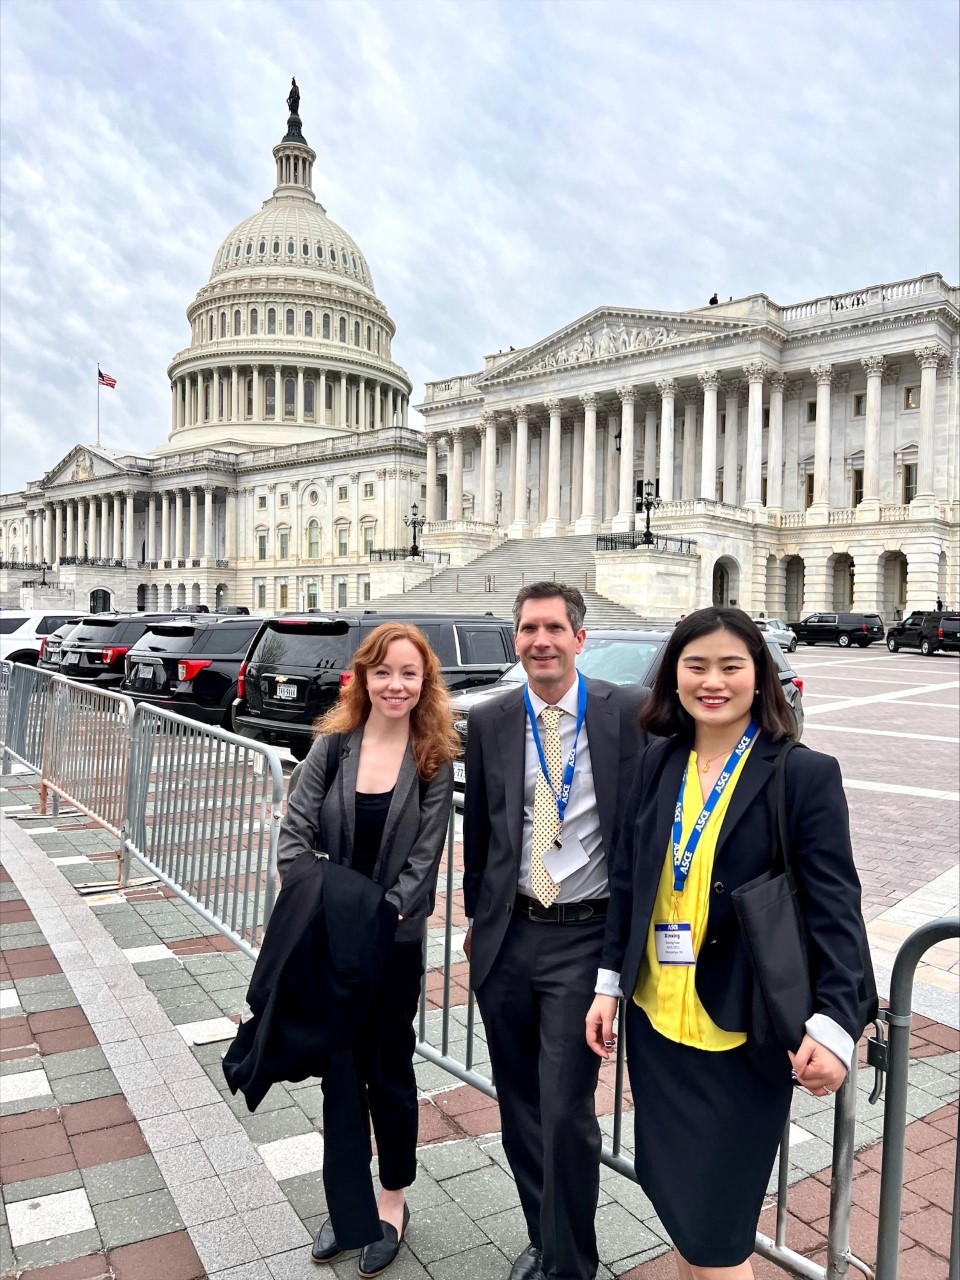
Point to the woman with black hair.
(710, 1103)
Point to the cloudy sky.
(505, 165)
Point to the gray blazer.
(413, 835)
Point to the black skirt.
(707, 1130)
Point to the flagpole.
(98, 406)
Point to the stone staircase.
(490, 583)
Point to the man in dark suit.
(549, 768)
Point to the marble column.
(173, 406)
(194, 522)
(731, 401)
(508, 445)
(518, 524)
(105, 527)
(775, 444)
(404, 403)
(207, 521)
(551, 526)
(178, 551)
(755, 371)
(362, 416)
(709, 380)
(298, 408)
(343, 418)
(377, 406)
(57, 533)
(455, 478)
(165, 526)
(230, 530)
(821, 441)
(668, 394)
(322, 398)
(623, 520)
(151, 528)
(576, 470)
(874, 367)
(47, 545)
(611, 476)
(71, 551)
(117, 526)
(81, 528)
(431, 508)
(688, 455)
(489, 477)
(929, 357)
(648, 403)
(128, 547)
(588, 522)
(234, 414)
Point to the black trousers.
(379, 1075)
(534, 1003)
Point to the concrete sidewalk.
(123, 1154)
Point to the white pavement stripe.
(940, 706)
(883, 733)
(851, 678)
(879, 697)
(24, 1085)
(927, 792)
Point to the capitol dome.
(289, 341)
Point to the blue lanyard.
(682, 859)
(567, 780)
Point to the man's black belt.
(561, 912)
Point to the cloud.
(505, 168)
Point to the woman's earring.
(756, 693)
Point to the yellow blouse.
(667, 993)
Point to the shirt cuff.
(608, 984)
(822, 1028)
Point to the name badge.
(563, 859)
(674, 943)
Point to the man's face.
(548, 646)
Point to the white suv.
(22, 630)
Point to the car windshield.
(611, 658)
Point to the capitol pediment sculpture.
(82, 468)
(603, 341)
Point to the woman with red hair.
(383, 812)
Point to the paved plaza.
(122, 1153)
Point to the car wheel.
(792, 647)
(926, 648)
(892, 645)
(843, 640)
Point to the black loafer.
(529, 1266)
(380, 1254)
(325, 1246)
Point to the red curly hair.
(432, 736)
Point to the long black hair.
(662, 712)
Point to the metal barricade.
(203, 815)
(22, 713)
(899, 1018)
(86, 751)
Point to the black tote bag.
(771, 923)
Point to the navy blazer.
(821, 860)
(493, 803)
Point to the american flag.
(104, 379)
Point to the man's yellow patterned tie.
(546, 823)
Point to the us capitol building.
(805, 456)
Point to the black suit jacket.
(493, 802)
(821, 859)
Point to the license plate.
(288, 692)
(459, 771)
(144, 671)
(73, 657)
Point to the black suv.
(621, 656)
(190, 666)
(928, 632)
(49, 656)
(95, 650)
(298, 663)
(843, 629)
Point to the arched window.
(296, 168)
(206, 400)
(249, 248)
(369, 338)
(291, 247)
(343, 329)
(223, 324)
(305, 249)
(254, 320)
(319, 250)
(333, 254)
(276, 246)
(272, 320)
(289, 397)
(270, 391)
(236, 323)
(249, 413)
(313, 540)
(328, 397)
(378, 342)
(262, 247)
(354, 261)
(289, 318)
(236, 252)
(220, 399)
(356, 333)
(309, 401)
(308, 324)
(326, 325)
(210, 326)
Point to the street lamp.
(415, 522)
(647, 500)
(43, 572)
